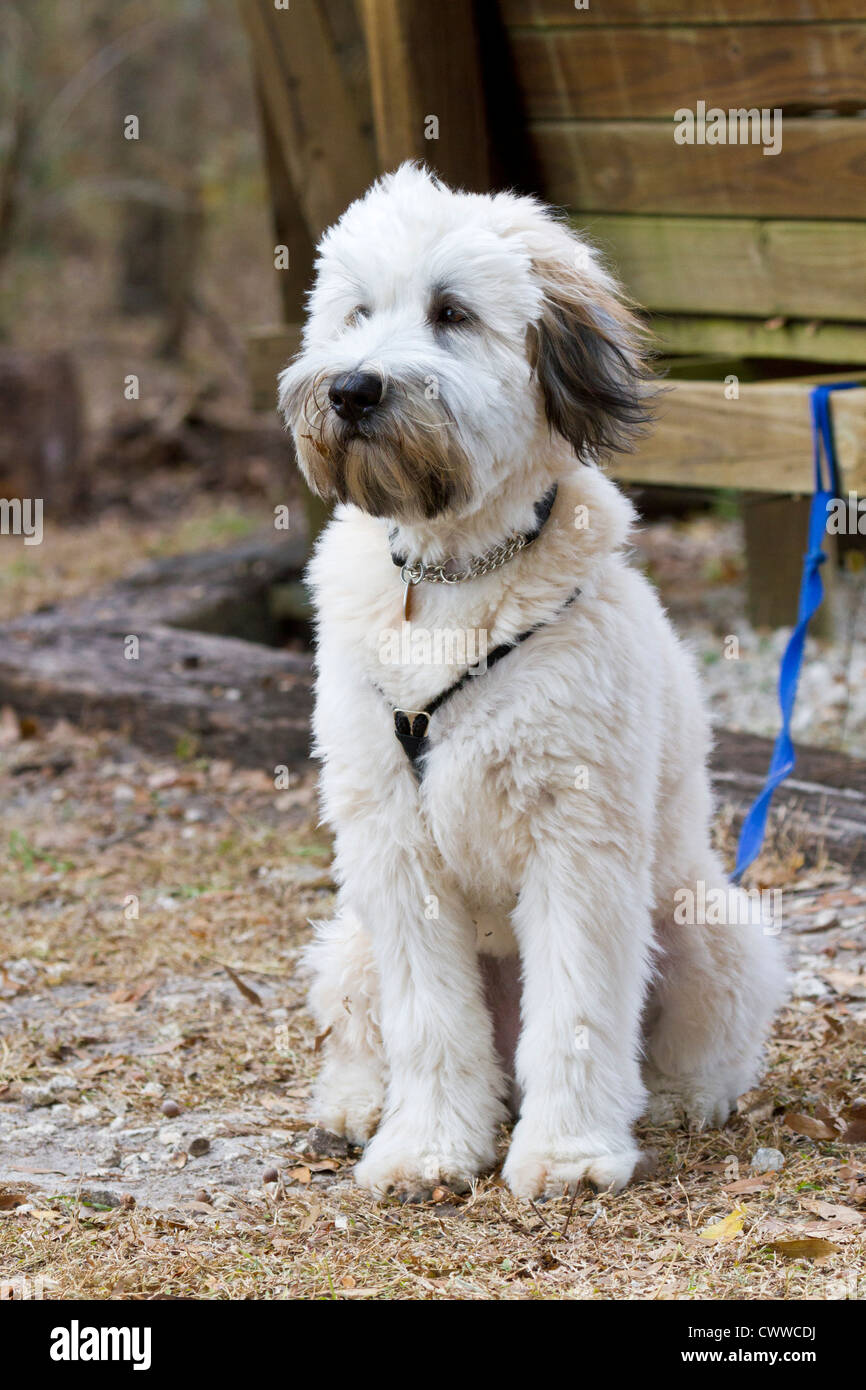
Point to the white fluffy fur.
(621, 1011)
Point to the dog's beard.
(405, 461)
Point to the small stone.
(170, 1108)
(321, 1143)
(198, 1147)
(100, 1197)
(203, 1196)
(768, 1161)
(153, 1090)
(58, 1088)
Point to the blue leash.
(811, 594)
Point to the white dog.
(507, 861)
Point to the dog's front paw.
(537, 1167)
(405, 1162)
(693, 1102)
(348, 1099)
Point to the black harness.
(412, 725)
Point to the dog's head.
(448, 332)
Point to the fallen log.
(226, 592)
(824, 799)
(169, 690)
(174, 657)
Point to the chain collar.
(445, 571)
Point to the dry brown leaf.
(808, 1248)
(808, 1125)
(301, 1174)
(10, 1200)
(846, 982)
(841, 1216)
(246, 990)
(310, 1218)
(855, 1128)
(744, 1185)
(758, 1105)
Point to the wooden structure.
(752, 265)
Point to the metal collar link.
(478, 565)
(414, 573)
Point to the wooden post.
(776, 530)
(317, 153)
(427, 88)
(314, 116)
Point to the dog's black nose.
(355, 394)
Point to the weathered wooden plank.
(695, 265)
(759, 442)
(638, 72)
(425, 68)
(326, 149)
(728, 337)
(635, 166)
(269, 349)
(614, 12)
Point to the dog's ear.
(589, 352)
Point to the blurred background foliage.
(108, 243)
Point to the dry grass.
(226, 873)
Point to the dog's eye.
(449, 315)
(359, 312)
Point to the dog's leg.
(584, 931)
(719, 986)
(444, 1095)
(344, 990)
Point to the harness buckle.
(408, 728)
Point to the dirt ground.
(157, 1058)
